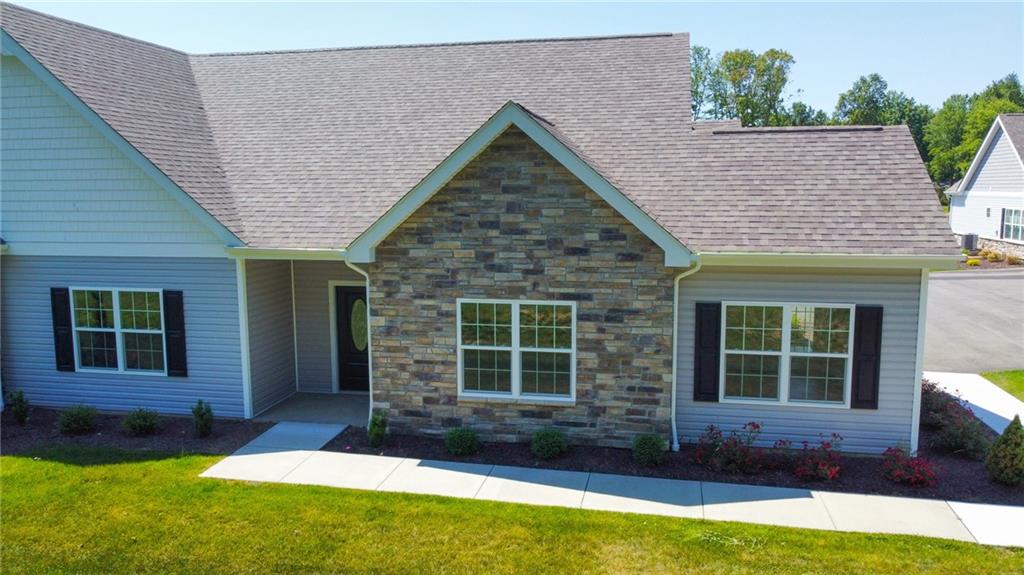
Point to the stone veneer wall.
(515, 224)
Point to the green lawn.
(90, 510)
(1012, 381)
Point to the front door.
(353, 340)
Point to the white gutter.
(285, 254)
(675, 346)
(369, 337)
(876, 261)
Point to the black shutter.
(1002, 223)
(63, 339)
(867, 351)
(707, 351)
(174, 331)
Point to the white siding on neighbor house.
(271, 332)
(997, 183)
(313, 320)
(864, 430)
(68, 191)
(211, 328)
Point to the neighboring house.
(989, 199)
(505, 235)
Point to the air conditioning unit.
(970, 242)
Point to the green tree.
(757, 83)
(862, 104)
(943, 135)
(870, 102)
(801, 114)
(1006, 88)
(979, 119)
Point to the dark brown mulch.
(175, 434)
(960, 479)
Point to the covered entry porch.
(307, 332)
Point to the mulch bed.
(960, 479)
(987, 265)
(175, 434)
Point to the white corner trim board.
(243, 336)
(922, 314)
(361, 250)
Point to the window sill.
(521, 400)
(787, 404)
(120, 372)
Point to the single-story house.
(989, 199)
(507, 236)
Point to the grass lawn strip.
(1011, 381)
(87, 509)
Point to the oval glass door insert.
(357, 320)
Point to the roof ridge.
(7, 5)
(443, 44)
(799, 129)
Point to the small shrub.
(649, 450)
(377, 431)
(780, 455)
(984, 253)
(18, 406)
(1005, 462)
(141, 422)
(900, 467)
(77, 420)
(548, 444)
(995, 257)
(933, 404)
(960, 432)
(461, 441)
(1013, 260)
(973, 262)
(202, 418)
(821, 463)
(735, 454)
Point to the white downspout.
(369, 336)
(675, 347)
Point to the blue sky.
(928, 50)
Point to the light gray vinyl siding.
(313, 320)
(271, 332)
(68, 191)
(211, 326)
(999, 169)
(864, 430)
(997, 184)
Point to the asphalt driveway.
(975, 321)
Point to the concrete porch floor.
(347, 408)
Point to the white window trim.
(516, 394)
(785, 355)
(118, 332)
(1002, 226)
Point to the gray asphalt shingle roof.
(1014, 126)
(309, 148)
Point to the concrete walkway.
(990, 402)
(270, 460)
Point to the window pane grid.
(786, 352)
(97, 349)
(540, 335)
(1013, 225)
(118, 330)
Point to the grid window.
(787, 353)
(517, 348)
(119, 330)
(1013, 225)
(753, 345)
